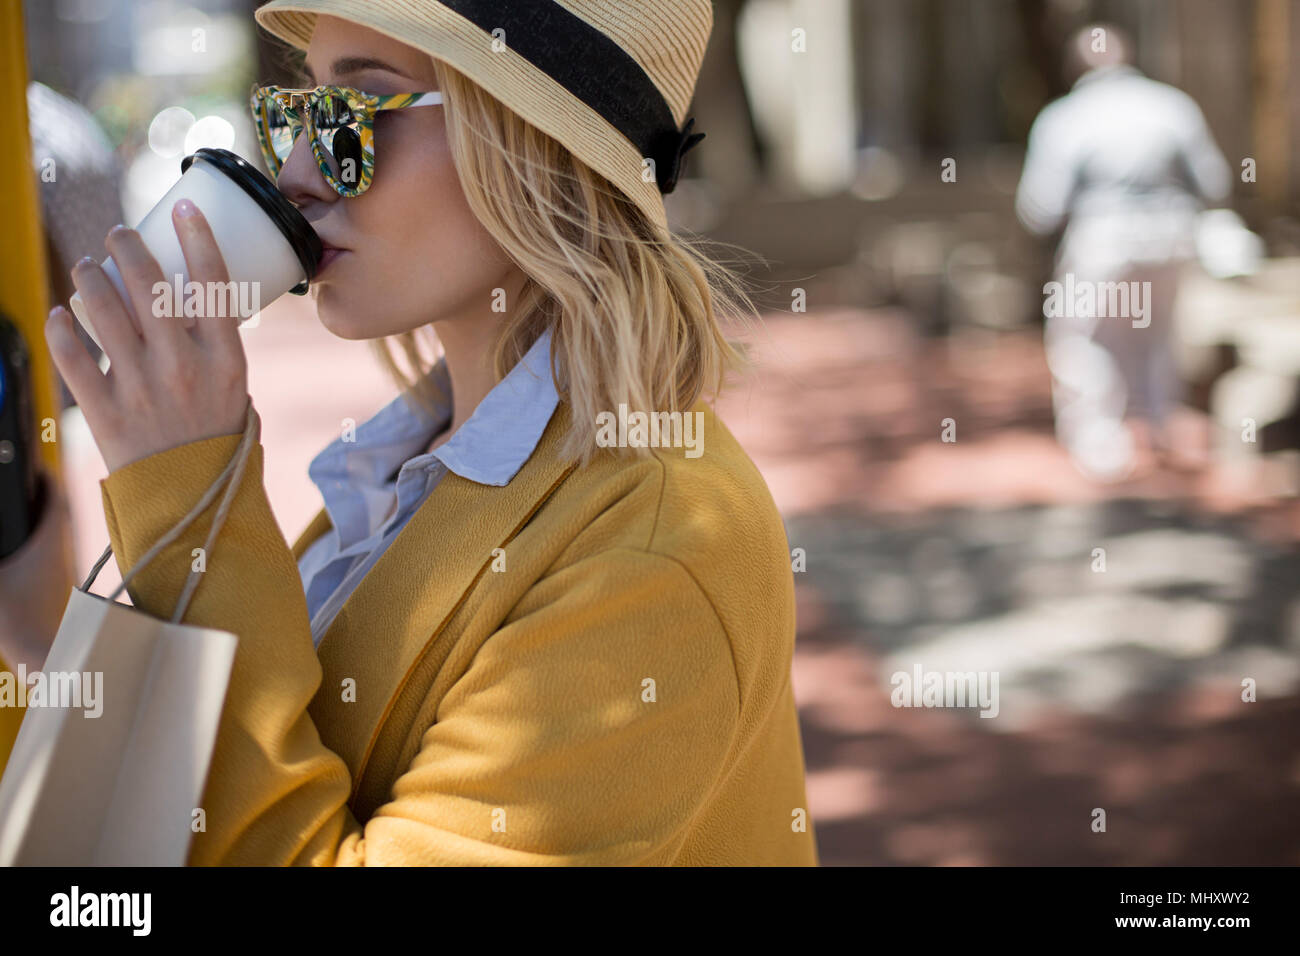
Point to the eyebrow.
(355, 64)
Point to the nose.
(300, 179)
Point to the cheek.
(420, 253)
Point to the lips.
(328, 256)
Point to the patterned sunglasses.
(340, 127)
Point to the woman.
(570, 654)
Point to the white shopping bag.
(121, 788)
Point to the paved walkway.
(1119, 688)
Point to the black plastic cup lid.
(291, 223)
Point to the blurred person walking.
(1125, 164)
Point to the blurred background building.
(868, 152)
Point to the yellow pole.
(24, 286)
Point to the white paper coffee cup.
(268, 247)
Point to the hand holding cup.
(171, 380)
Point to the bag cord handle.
(252, 430)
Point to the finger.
(85, 381)
(113, 324)
(150, 291)
(207, 266)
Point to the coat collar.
(401, 608)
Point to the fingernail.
(185, 208)
(86, 261)
(116, 230)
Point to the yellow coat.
(618, 694)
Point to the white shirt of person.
(1126, 163)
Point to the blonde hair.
(634, 311)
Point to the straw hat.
(610, 79)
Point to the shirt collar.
(489, 448)
(1104, 72)
(504, 430)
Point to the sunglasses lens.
(340, 135)
(279, 133)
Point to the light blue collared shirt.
(355, 478)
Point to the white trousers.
(1104, 369)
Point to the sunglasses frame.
(364, 107)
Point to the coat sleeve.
(1209, 171)
(588, 729)
(1047, 181)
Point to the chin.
(339, 317)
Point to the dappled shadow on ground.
(1118, 689)
(1188, 777)
(1121, 621)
